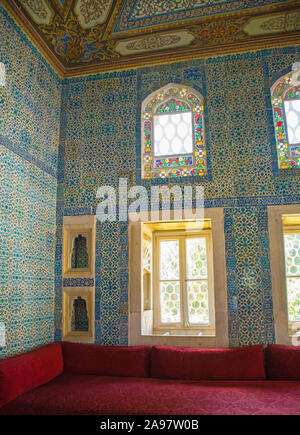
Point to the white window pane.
(292, 113)
(291, 135)
(182, 130)
(158, 133)
(297, 134)
(164, 120)
(2, 74)
(176, 145)
(293, 289)
(296, 105)
(196, 258)
(2, 335)
(292, 253)
(188, 144)
(170, 302)
(292, 119)
(176, 117)
(169, 259)
(169, 131)
(198, 302)
(175, 134)
(163, 147)
(292, 266)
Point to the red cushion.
(25, 372)
(283, 362)
(89, 359)
(245, 363)
(100, 395)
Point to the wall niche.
(79, 315)
(79, 268)
(79, 246)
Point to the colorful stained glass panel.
(173, 129)
(285, 102)
(295, 152)
(172, 106)
(173, 162)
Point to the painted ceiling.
(86, 36)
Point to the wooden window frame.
(277, 229)
(292, 325)
(141, 334)
(183, 326)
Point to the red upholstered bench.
(86, 379)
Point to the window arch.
(2, 74)
(286, 114)
(173, 141)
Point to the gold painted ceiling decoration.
(282, 22)
(91, 13)
(88, 36)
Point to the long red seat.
(139, 380)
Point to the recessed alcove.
(79, 246)
(79, 314)
(80, 255)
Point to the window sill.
(174, 334)
(207, 332)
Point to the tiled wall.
(29, 137)
(99, 134)
(102, 143)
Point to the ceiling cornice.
(182, 55)
(148, 59)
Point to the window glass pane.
(293, 289)
(292, 112)
(198, 301)
(170, 302)
(292, 254)
(173, 134)
(2, 74)
(292, 266)
(196, 258)
(169, 260)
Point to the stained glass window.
(2, 74)
(286, 114)
(173, 142)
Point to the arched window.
(286, 113)
(2, 74)
(173, 142)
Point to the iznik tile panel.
(29, 136)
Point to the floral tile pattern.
(29, 136)
(88, 134)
